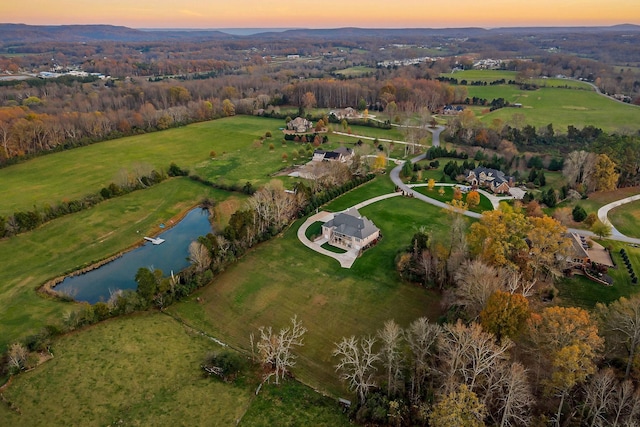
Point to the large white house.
(350, 230)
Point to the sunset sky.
(324, 14)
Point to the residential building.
(350, 230)
(493, 179)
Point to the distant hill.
(22, 33)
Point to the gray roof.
(580, 246)
(498, 177)
(351, 223)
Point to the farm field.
(282, 278)
(71, 242)
(356, 71)
(75, 173)
(142, 369)
(552, 104)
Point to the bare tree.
(421, 336)
(626, 404)
(475, 282)
(515, 283)
(356, 364)
(199, 256)
(578, 167)
(468, 355)
(273, 206)
(622, 322)
(390, 354)
(17, 355)
(599, 396)
(515, 398)
(275, 350)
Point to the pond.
(171, 255)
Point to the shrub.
(579, 214)
(226, 365)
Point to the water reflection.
(171, 255)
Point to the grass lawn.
(580, 291)
(293, 404)
(626, 219)
(485, 203)
(136, 370)
(334, 249)
(65, 244)
(282, 278)
(561, 107)
(596, 200)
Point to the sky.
(322, 14)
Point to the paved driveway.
(346, 259)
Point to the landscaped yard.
(626, 219)
(583, 292)
(447, 196)
(282, 278)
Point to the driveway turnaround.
(346, 259)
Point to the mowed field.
(239, 158)
(626, 219)
(282, 278)
(578, 105)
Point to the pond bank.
(48, 288)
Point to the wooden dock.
(155, 241)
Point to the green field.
(282, 278)
(356, 71)
(553, 103)
(75, 173)
(626, 219)
(77, 240)
(145, 370)
(136, 370)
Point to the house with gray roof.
(340, 154)
(492, 179)
(350, 230)
(300, 124)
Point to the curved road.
(603, 213)
(347, 259)
(395, 177)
